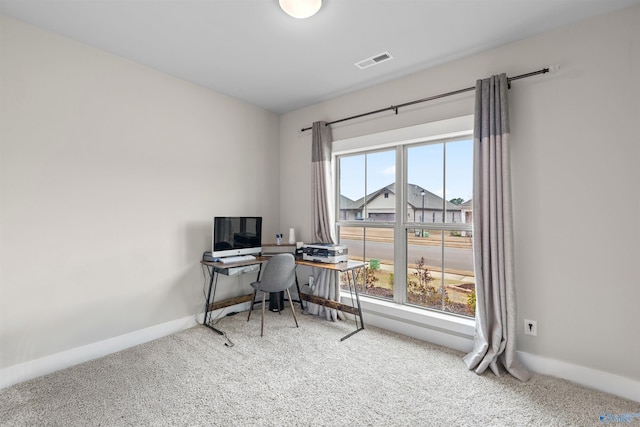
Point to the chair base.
(264, 303)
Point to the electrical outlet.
(530, 327)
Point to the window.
(440, 255)
(422, 257)
(367, 202)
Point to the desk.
(217, 268)
(341, 267)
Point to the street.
(455, 258)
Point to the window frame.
(401, 140)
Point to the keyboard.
(239, 258)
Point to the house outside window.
(422, 256)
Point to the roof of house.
(347, 203)
(414, 198)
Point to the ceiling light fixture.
(300, 8)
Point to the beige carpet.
(303, 376)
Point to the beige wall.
(110, 175)
(575, 154)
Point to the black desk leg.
(355, 288)
(298, 288)
(212, 290)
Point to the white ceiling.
(251, 50)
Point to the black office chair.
(278, 275)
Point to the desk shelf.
(329, 303)
(213, 306)
(274, 248)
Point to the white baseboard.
(588, 377)
(457, 333)
(48, 364)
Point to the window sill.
(439, 328)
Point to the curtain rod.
(431, 98)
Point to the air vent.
(374, 60)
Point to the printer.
(324, 252)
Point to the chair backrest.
(278, 274)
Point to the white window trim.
(441, 328)
(443, 129)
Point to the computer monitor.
(236, 235)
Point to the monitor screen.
(236, 235)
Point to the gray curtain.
(326, 284)
(495, 332)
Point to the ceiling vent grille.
(374, 60)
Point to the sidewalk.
(449, 276)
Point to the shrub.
(371, 278)
(471, 302)
(421, 292)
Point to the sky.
(425, 167)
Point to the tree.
(457, 201)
